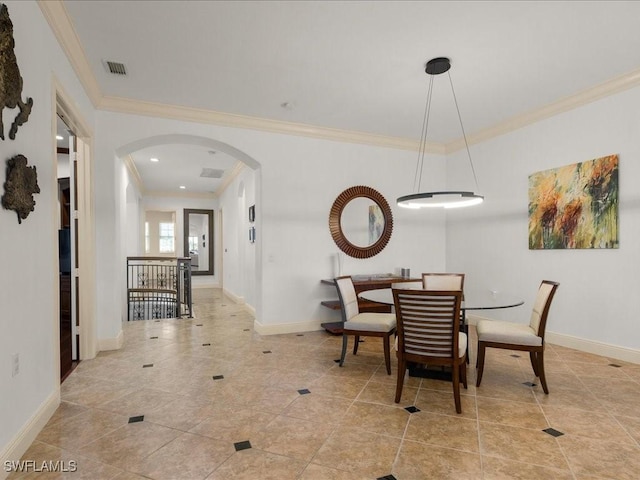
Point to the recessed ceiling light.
(59, 137)
(154, 159)
(182, 187)
(212, 152)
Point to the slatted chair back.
(427, 324)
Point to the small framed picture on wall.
(252, 213)
(252, 234)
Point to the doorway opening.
(74, 222)
(67, 247)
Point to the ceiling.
(356, 66)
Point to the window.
(193, 243)
(159, 233)
(167, 236)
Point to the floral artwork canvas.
(575, 206)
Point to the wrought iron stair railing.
(158, 287)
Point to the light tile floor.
(208, 386)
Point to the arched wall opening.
(237, 271)
(187, 140)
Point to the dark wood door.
(65, 326)
(64, 252)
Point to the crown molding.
(229, 176)
(134, 174)
(605, 89)
(199, 115)
(58, 19)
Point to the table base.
(433, 372)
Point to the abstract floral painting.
(575, 206)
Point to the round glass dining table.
(473, 299)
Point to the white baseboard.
(205, 285)
(589, 346)
(25, 437)
(286, 327)
(111, 343)
(250, 309)
(597, 348)
(232, 296)
(240, 301)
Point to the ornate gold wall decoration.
(21, 184)
(10, 79)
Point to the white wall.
(134, 234)
(64, 169)
(299, 181)
(596, 300)
(239, 256)
(29, 322)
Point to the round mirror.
(361, 222)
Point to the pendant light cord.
(417, 180)
(464, 136)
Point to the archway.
(226, 254)
(188, 140)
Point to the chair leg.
(355, 345)
(543, 380)
(344, 348)
(464, 328)
(387, 353)
(456, 388)
(402, 367)
(480, 363)
(534, 363)
(463, 371)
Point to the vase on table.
(339, 261)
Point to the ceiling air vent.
(115, 67)
(211, 173)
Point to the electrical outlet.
(15, 364)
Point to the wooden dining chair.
(365, 324)
(447, 281)
(443, 281)
(428, 331)
(519, 336)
